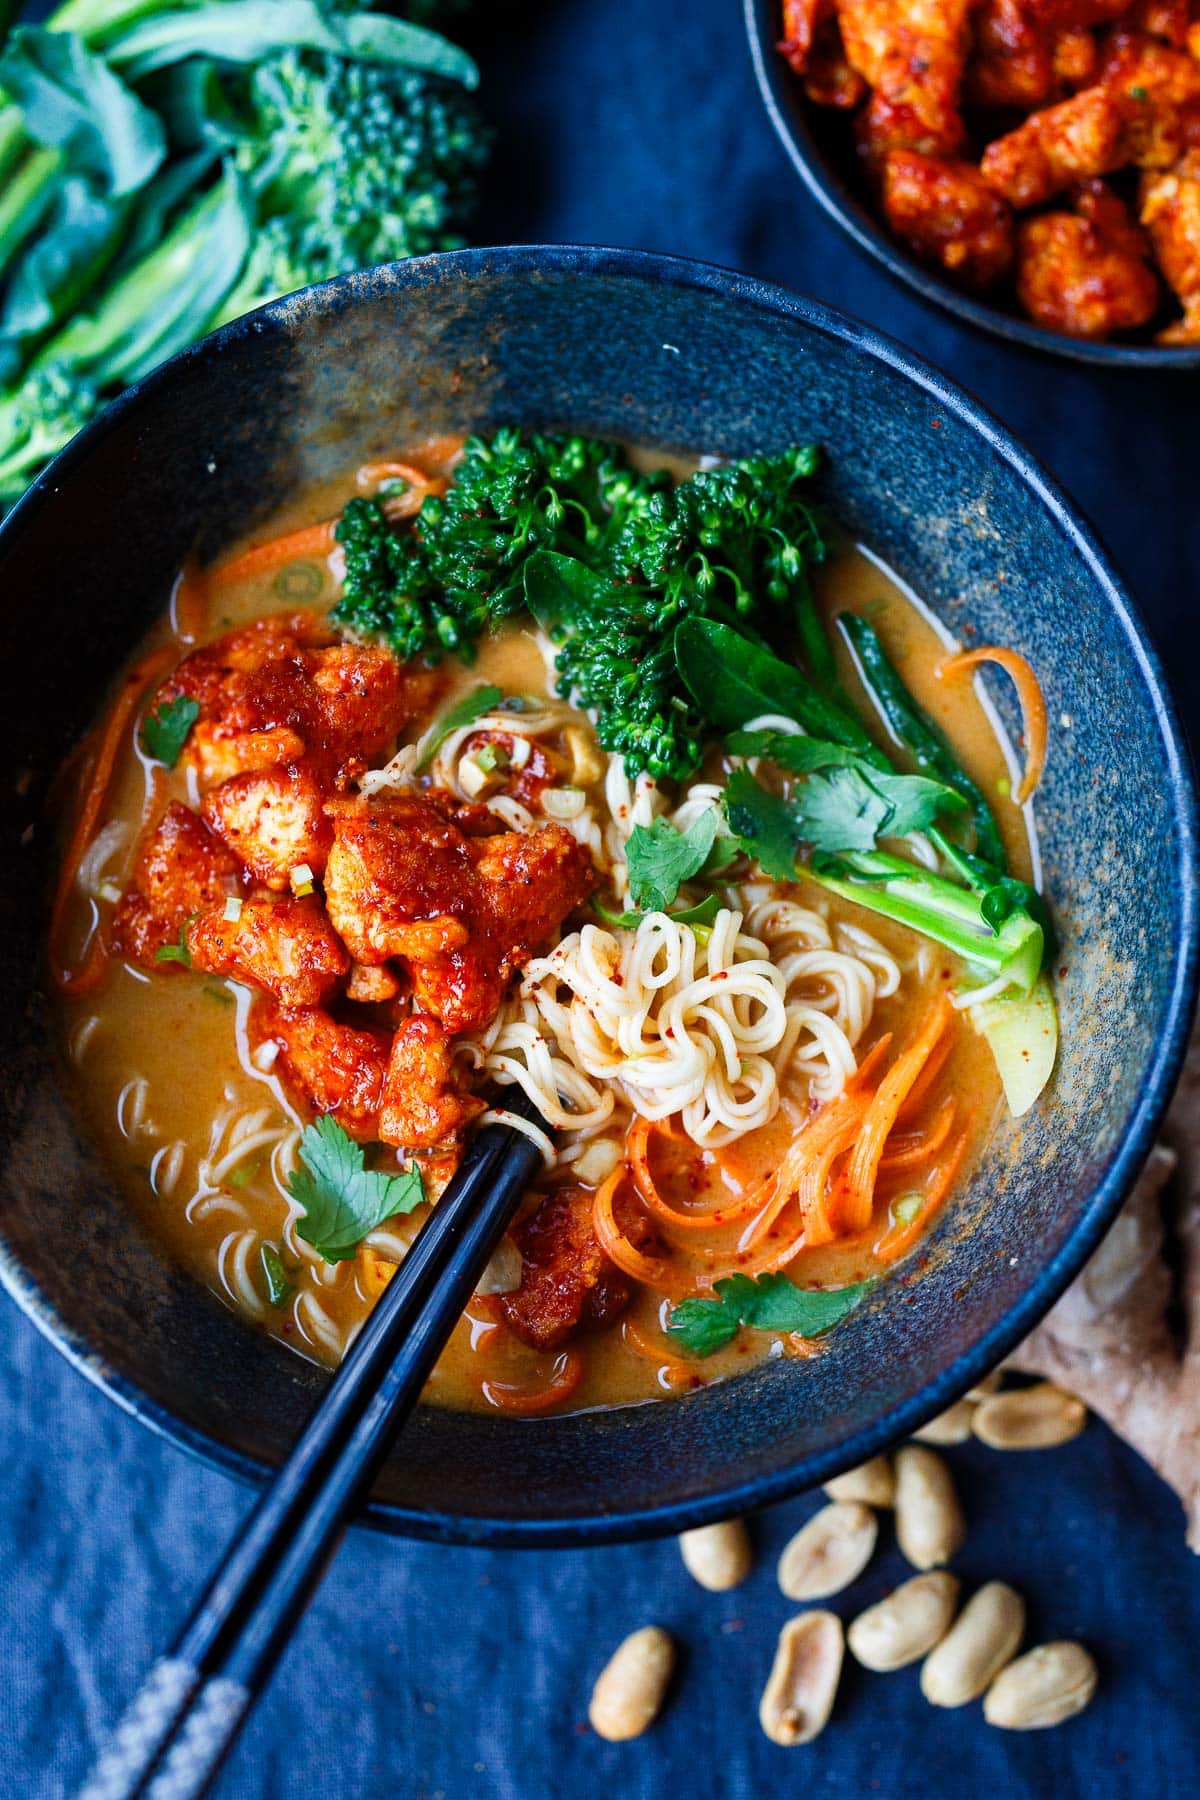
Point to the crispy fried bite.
(273, 820)
(1018, 60)
(403, 881)
(949, 216)
(1157, 90)
(912, 54)
(1086, 272)
(285, 947)
(802, 20)
(339, 1069)
(181, 870)
(1079, 138)
(567, 1282)
(283, 689)
(1170, 212)
(423, 1105)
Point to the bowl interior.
(820, 143)
(685, 358)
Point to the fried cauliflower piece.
(567, 1282)
(1170, 211)
(1018, 60)
(1086, 272)
(947, 213)
(1079, 138)
(285, 947)
(1075, 12)
(802, 19)
(273, 820)
(339, 1069)
(402, 880)
(422, 1104)
(1165, 19)
(181, 870)
(1157, 89)
(283, 689)
(912, 54)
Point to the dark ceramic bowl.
(686, 358)
(820, 142)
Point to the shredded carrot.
(677, 1373)
(616, 1246)
(1029, 693)
(918, 1093)
(408, 503)
(565, 1377)
(189, 605)
(310, 544)
(913, 1149)
(899, 1238)
(90, 970)
(637, 1154)
(857, 1191)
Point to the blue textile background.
(424, 1672)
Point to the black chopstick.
(172, 1739)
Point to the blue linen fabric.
(422, 1671)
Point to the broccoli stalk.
(939, 909)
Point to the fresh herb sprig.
(762, 1303)
(165, 728)
(343, 1200)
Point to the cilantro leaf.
(763, 823)
(914, 802)
(661, 858)
(342, 1199)
(177, 952)
(793, 751)
(839, 811)
(768, 1303)
(166, 726)
(472, 706)
(704, 914)
(725, 850)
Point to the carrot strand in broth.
(677, 1373)
(637, 1146)
(899, 1238)
(1029, 693)
(564, 1379)
(911, 1151)
(858, 1190)
(310, 544)
(616, 1246)
(87, 976)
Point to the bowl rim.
(788, 114)
(737, 1496)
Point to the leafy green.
(609, 559)
(918, 733)
(177, 952)
(734, 681)
(763, 823)
(472, 706)
(659, 858)
(703, 914)
(279, 1288)
(72, 101)
(765, 1303)
(165, 728)
(343, 1200)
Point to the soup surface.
(694, 1062)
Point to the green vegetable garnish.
(165, 729)
(659, 858)
(177, 952)
(765, 1303)
(343, 1200)
(609, 560)
(279, 1288)
(700, 915)
(472, 706)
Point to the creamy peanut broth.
(192, 1082)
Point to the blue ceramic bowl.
(820, 143)
(686, 358)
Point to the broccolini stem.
(919, 735)
(24, 198)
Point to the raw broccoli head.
(352, 164)
(36, 421)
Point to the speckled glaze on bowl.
(819, 143)
(688, 358)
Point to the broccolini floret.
(42, 415)
(728, 543)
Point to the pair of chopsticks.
(175, 1734)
